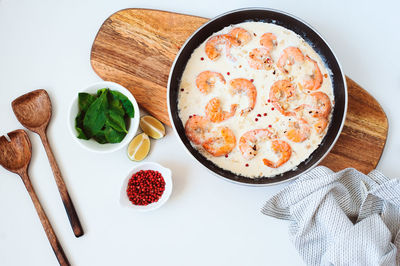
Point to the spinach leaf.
(100, 137)
(113, 136)
(116, 107)
(85, 100)
(116, 121)
(99, 92)
(95, 117)
(128, 107)
(102, 116)
(79, 125)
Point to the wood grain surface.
(15, 156)
(136, 48)
(33, 110)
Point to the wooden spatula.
(33, 110)
(15, 156)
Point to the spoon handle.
(62, 188)
(55, 244)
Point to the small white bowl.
(165, 172)
(91, 144)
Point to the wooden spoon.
(33, 111)
(15, 156)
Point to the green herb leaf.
(95, 117)
(85, 100)
(113, 136)
(100, 137)
(79, 125)
(128, 107)
(116, 106)
(99, 92)
(116, 121)
(102, 116)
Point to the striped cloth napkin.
(343, 218)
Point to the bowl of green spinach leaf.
(104, 117)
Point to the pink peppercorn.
(145, 187)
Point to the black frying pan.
(290, 22)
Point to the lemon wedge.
(139, 147)
(152, 127)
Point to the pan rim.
(269, 178)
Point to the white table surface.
(207, 221)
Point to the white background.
(207, 221)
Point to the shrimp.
(221, 143)
(197, 128)
(240, 34)
(249, 140)
(321, 104)
(259, 58)
(213, 49)
(315, 79)
(242, 85)
(206, 80)
(268, 40)
(289, 56)
(320, 125)
(215, 113)
(280, 93)
(285, 151)
(299, 131)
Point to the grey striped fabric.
(343, 218)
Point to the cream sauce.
(192, 101)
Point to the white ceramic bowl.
(165, 172)
(91, 144)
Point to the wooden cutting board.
(136, 48)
